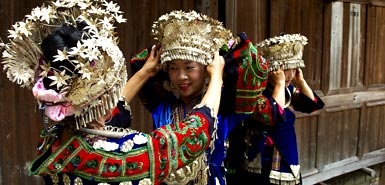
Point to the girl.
(265, 144)
(188, 41)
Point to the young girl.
(266, 145)
(188, 41)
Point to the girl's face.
(289, 75)
(187, 77)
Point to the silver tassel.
(77, 122)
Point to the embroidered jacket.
(270, 137)
(136, 158)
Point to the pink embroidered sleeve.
(280, 109)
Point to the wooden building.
(344, 62)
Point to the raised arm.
(301, 83)
(213, 94)
(150, 69)
(277, 78)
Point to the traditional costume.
(266, 143)
(196, 37)
(82, 83)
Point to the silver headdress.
(284, 51)
(100, 65)
(189, 36)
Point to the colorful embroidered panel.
(151, 156)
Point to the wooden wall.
(344, 64)
(19, 121)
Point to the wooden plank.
(27, 139)
(367, 132)
(306, 131)
(298, 17)
(381, 127)
(6, 118)
(375, 46)
(208, 7)
(376, 123)
(277, 16)
(351, 62)
(336, 45)
(249, 17)
(372, 129)
(379, 3)
(354, 53)
(362, 132)
(341, 163)
(230, 15)
(355, 1)
(349, 133)
(337, 136)
(286, 16)
(17, 124)
(362, 50)
(344, 48)
(311, 25)
(326, 49)
(343, 107)
(346, 166)
(10, 160)
(322, 132)
(375, 103)
(350, 99)
(334, 135)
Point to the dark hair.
(64, 37)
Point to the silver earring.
(207, 80)
(172, 85)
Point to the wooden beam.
(371, 98)
(369, 171)
(369, 159)
(378, 3)
(370, 2)
(355, 1)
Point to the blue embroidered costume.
(264, 146)
(271, 146)
(244, 80)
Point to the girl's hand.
(149, 69)
(212, 96)
(277, 77)
(215, 69)
(152, 65)
(298, 79)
